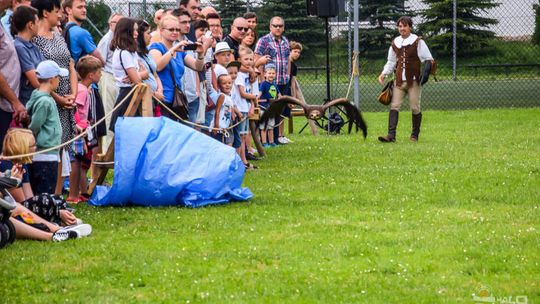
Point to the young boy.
(246, 100)
(268, 91)
(45, 125)
(89, 70)
(224, 110)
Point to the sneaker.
(282, 140)
(287, 140)
(250, 156)
(266, 145)
(80, 230)
(60, 236)
(273, 145)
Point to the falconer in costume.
(405, 56)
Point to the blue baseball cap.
(270, 66)
(49, 69)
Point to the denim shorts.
(244, 125)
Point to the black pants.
(5, 121)
(122, 93)
(43, 176)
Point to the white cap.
(49, 69)
(222, 47)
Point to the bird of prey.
(317, 112)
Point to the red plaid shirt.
(279, 51)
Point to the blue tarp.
(159, 162)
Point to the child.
(268, 91)
(224, 110)
(89, 70)
(45, 126)
(246, 100)
(43, 210)
(232, 69)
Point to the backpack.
(335, 122)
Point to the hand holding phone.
(190, 47)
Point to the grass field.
(335, 219)
(442, 95)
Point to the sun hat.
(222, 47)
(49, 69)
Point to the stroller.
(7, 203)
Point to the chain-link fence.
(492, 62)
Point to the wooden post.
(141, 99)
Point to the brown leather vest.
(408, 55)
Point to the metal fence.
(491, 65)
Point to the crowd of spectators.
(57, 82)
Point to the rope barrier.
(355, 72)
(225, 131)
(76, 137)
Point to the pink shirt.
(81, 116)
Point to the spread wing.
(276, 107)
(353, 114)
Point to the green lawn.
(334, 220)
(443, 95)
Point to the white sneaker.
(287, 140)
(282, 140)
(60, 235)
(80, 230)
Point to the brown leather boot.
(393, 118)
(416, 123)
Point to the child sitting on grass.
(39, 217)
(89, 70)
(45, 126)
(268, 91)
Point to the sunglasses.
(172, 30)
(243, 29)
(277, 25)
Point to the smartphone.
(208, 34)
(191, 47)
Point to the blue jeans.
(193, 110)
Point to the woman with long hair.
(53, 47)
(128, 71)
(143, 40)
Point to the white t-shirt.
(129, 60)
(225, 112)
(242, 80)
(220, 70)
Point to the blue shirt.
(6, 22)
(80, 42)
(29, 58)
(177, 64)
(269, 90)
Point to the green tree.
(309, 31)
(382, 16)
(536, 35)
(472, 33)
(228, 10)
(97, 14)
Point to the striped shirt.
(279, 51)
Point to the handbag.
(385, 97)
(180, 103)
